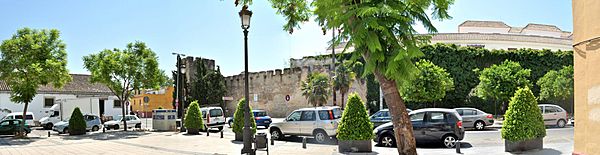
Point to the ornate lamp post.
(178, 93)
(245, 15)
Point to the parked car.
(117, 122)
(475, 118)
(554, 115)
(429, 125)
(29, 117)
(260, 116)
(382, 116)
(215, 119)
(92, 123)
(12, 126)
(320, 122)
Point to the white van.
(214, 119)
(29, 117)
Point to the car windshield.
(117, 118)
(216, 113)
(28, 117)
(260, 113)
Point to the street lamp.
(178, 98)
(245, 16)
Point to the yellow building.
(586, 43)
(157, 98)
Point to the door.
(6, 128)
(307, 122)
(101, 105)
(417, 121)
(291, 124)
(469, 117)
(436, 125)
(550, 115)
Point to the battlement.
(270, 73)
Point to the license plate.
(267, 121)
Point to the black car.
(429, 125)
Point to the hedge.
(523, 119)
(77, 123)
(355, 123)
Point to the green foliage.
(209, 85)
(355, 123)
(343, 78)
(430, 85)
(316, 88)
(122, 71)
(500, 82)
(238, 118)
(160, 107)
(557, 85)
(77, 124)
(523, 119)
(193, 117)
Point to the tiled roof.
(542, 27)
(80, 85)
(495, 24)
(501, 37)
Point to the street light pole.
(179, 106)
(245, 15)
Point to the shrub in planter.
(355, 130)
(193, 120)
(77, 123)
(238, 121)
(523, 127)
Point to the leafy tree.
(557, 85)
(31, 58)
(238, 118)
(77, 123)
(523, 119)
(343, 79)
(200, 89)
(193, 119)
(316, 88)
(123, 71)
(500, 82)
(382, 34)
(209, 85)
(216, 83)
(355, 123)
(430, 85)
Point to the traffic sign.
(146, 99)
(287, 98)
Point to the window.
(436, 117)
(417, 117)
(117, 103)
(216, 113)
(27, 117)
(48, 102)
(260, 113)
(551, 109)
(385, 114)
(308, 116)
(337, 113)
(460, 112)
(325, 115)
(295, 116)
(469, 112)
(203, 114)
(5, 123)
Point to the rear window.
(260, 114)
(324, 115)
(216, 113)
(337, 113)
(27, 117)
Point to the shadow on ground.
(545, 151)
(10, 140)
(112, 135)
(463, 145)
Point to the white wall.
(483, 30)
(489, 44)
(541, 33)
(37, 104)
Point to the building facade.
(79, 87)
(161, 98)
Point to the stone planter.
(520, 146)
(193, 131)
(354, 146)
(239, 137)
(72, 133)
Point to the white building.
(498, 35)
(79, 87)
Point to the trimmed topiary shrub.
(193, 120)
(77, 123)
(238, 118)
(355, 123)
(523, 119)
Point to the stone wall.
(271, 88)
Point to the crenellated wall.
(272, 86)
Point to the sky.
(212, 29)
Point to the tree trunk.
(21, 131)
(343, 94)
(403, 129)
(124, 114)
(334, 99)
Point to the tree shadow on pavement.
(11, 140)
(463, 145)
(309, 140)
(545, 151)
(106, 136)
(360, 153)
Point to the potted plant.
(355, 130)
(238, 121)
(193, 120)
(523, 128)
(76, 123)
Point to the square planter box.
(526, 145)
(354, 146)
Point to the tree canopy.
(343, 79)
(501, 81)
(209, 85)
(430, 85)
(557, 85)
(316, 88)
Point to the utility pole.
(333, 64)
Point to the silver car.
(320, 122)
(92, 123)
(382, 116)
(475, 118)
(554, 115)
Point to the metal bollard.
(272, 141)
(103, 130)
(304, 142)
(48, 133)
(221, 133)
(457, 145)
(207, 132)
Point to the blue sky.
(211, 28)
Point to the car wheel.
(49, 126)
(116, 127)
(561, 123)
(320, 136)
(220, 128)
(139, 125)
(66, 130)
(387, 140)
(95, 128)
(266, 126)
(448, 141)
(276, 134)
(479, 125)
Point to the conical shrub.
(77, 123)
(193, 117)
(523, 119)
(355, 123)
(238, 118)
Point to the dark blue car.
(260, 116)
